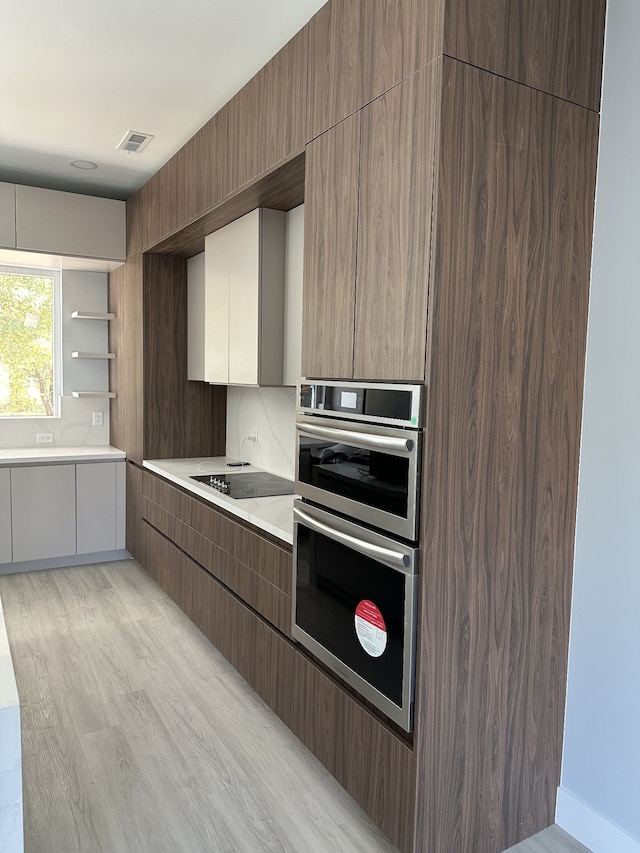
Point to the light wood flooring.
(139, 736)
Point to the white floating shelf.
(109, 394)
(93, 355)
(92, 315)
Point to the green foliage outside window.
(26, 345)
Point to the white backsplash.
(272, 412)
(74, 427)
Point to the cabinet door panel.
(551, 45)
(266, 117)
(216, 306)
(5, 515)
(330, 232)
(96, 507)
(336, 85)
(394, 228)
(243, 245)
(43, 502)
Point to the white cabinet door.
(5, 515)
(216, 261)
(243, 241)
(70, 224)
(7, 216)
(97, 509)
(244, 300)
(43, 504)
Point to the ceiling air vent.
(134, 142)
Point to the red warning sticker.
(370, 628)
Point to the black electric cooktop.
(257, 484)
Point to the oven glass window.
(373, 478)
(354, 607)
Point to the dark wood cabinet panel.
(181, 418)
(135, 216)
(368, 760)
(394, 229)
(336, 72)
(265, 120)
(507, 318)
(126, 371)
(256, 570)
(358, 50)
(555, 46)
(157, 413)
(330, 239)
(134, 510)
(401, 36)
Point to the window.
(29, 372)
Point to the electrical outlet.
(254, 435)
(98, 418)
(44, 438)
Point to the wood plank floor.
(139, 736)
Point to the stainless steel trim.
(415, 419)
(396, 524)
(399, 559)
(375, 442)
(402, 715)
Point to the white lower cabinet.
(61, 510)
(43, 503)
(100, 496)
(5, 515)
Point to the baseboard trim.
(590, 828)
(64, 562)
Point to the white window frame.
(55, 274)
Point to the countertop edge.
(10, 456)
(243, 509)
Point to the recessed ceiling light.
(87, 165)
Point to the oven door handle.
(373, 442)
(394, 559)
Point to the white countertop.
(274, 515)
(51, 453)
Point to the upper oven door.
(367, 472)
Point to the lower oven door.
(354, 606)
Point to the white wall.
(85, 291)
(599, 798)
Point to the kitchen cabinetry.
(43, 503)
(266, 117)
(367, 242)
(5, 515)
(158, 413)
(7, 215)
(100, 501)
(70, 224)
(244, 300)
(358, 51)
(60, 510)
(235, 584)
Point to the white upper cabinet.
(7, 216)
(244, 300)
(70, 224)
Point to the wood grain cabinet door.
(330, 233)
(394, 229)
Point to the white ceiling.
(76, 75)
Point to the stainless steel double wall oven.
(356, 522)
